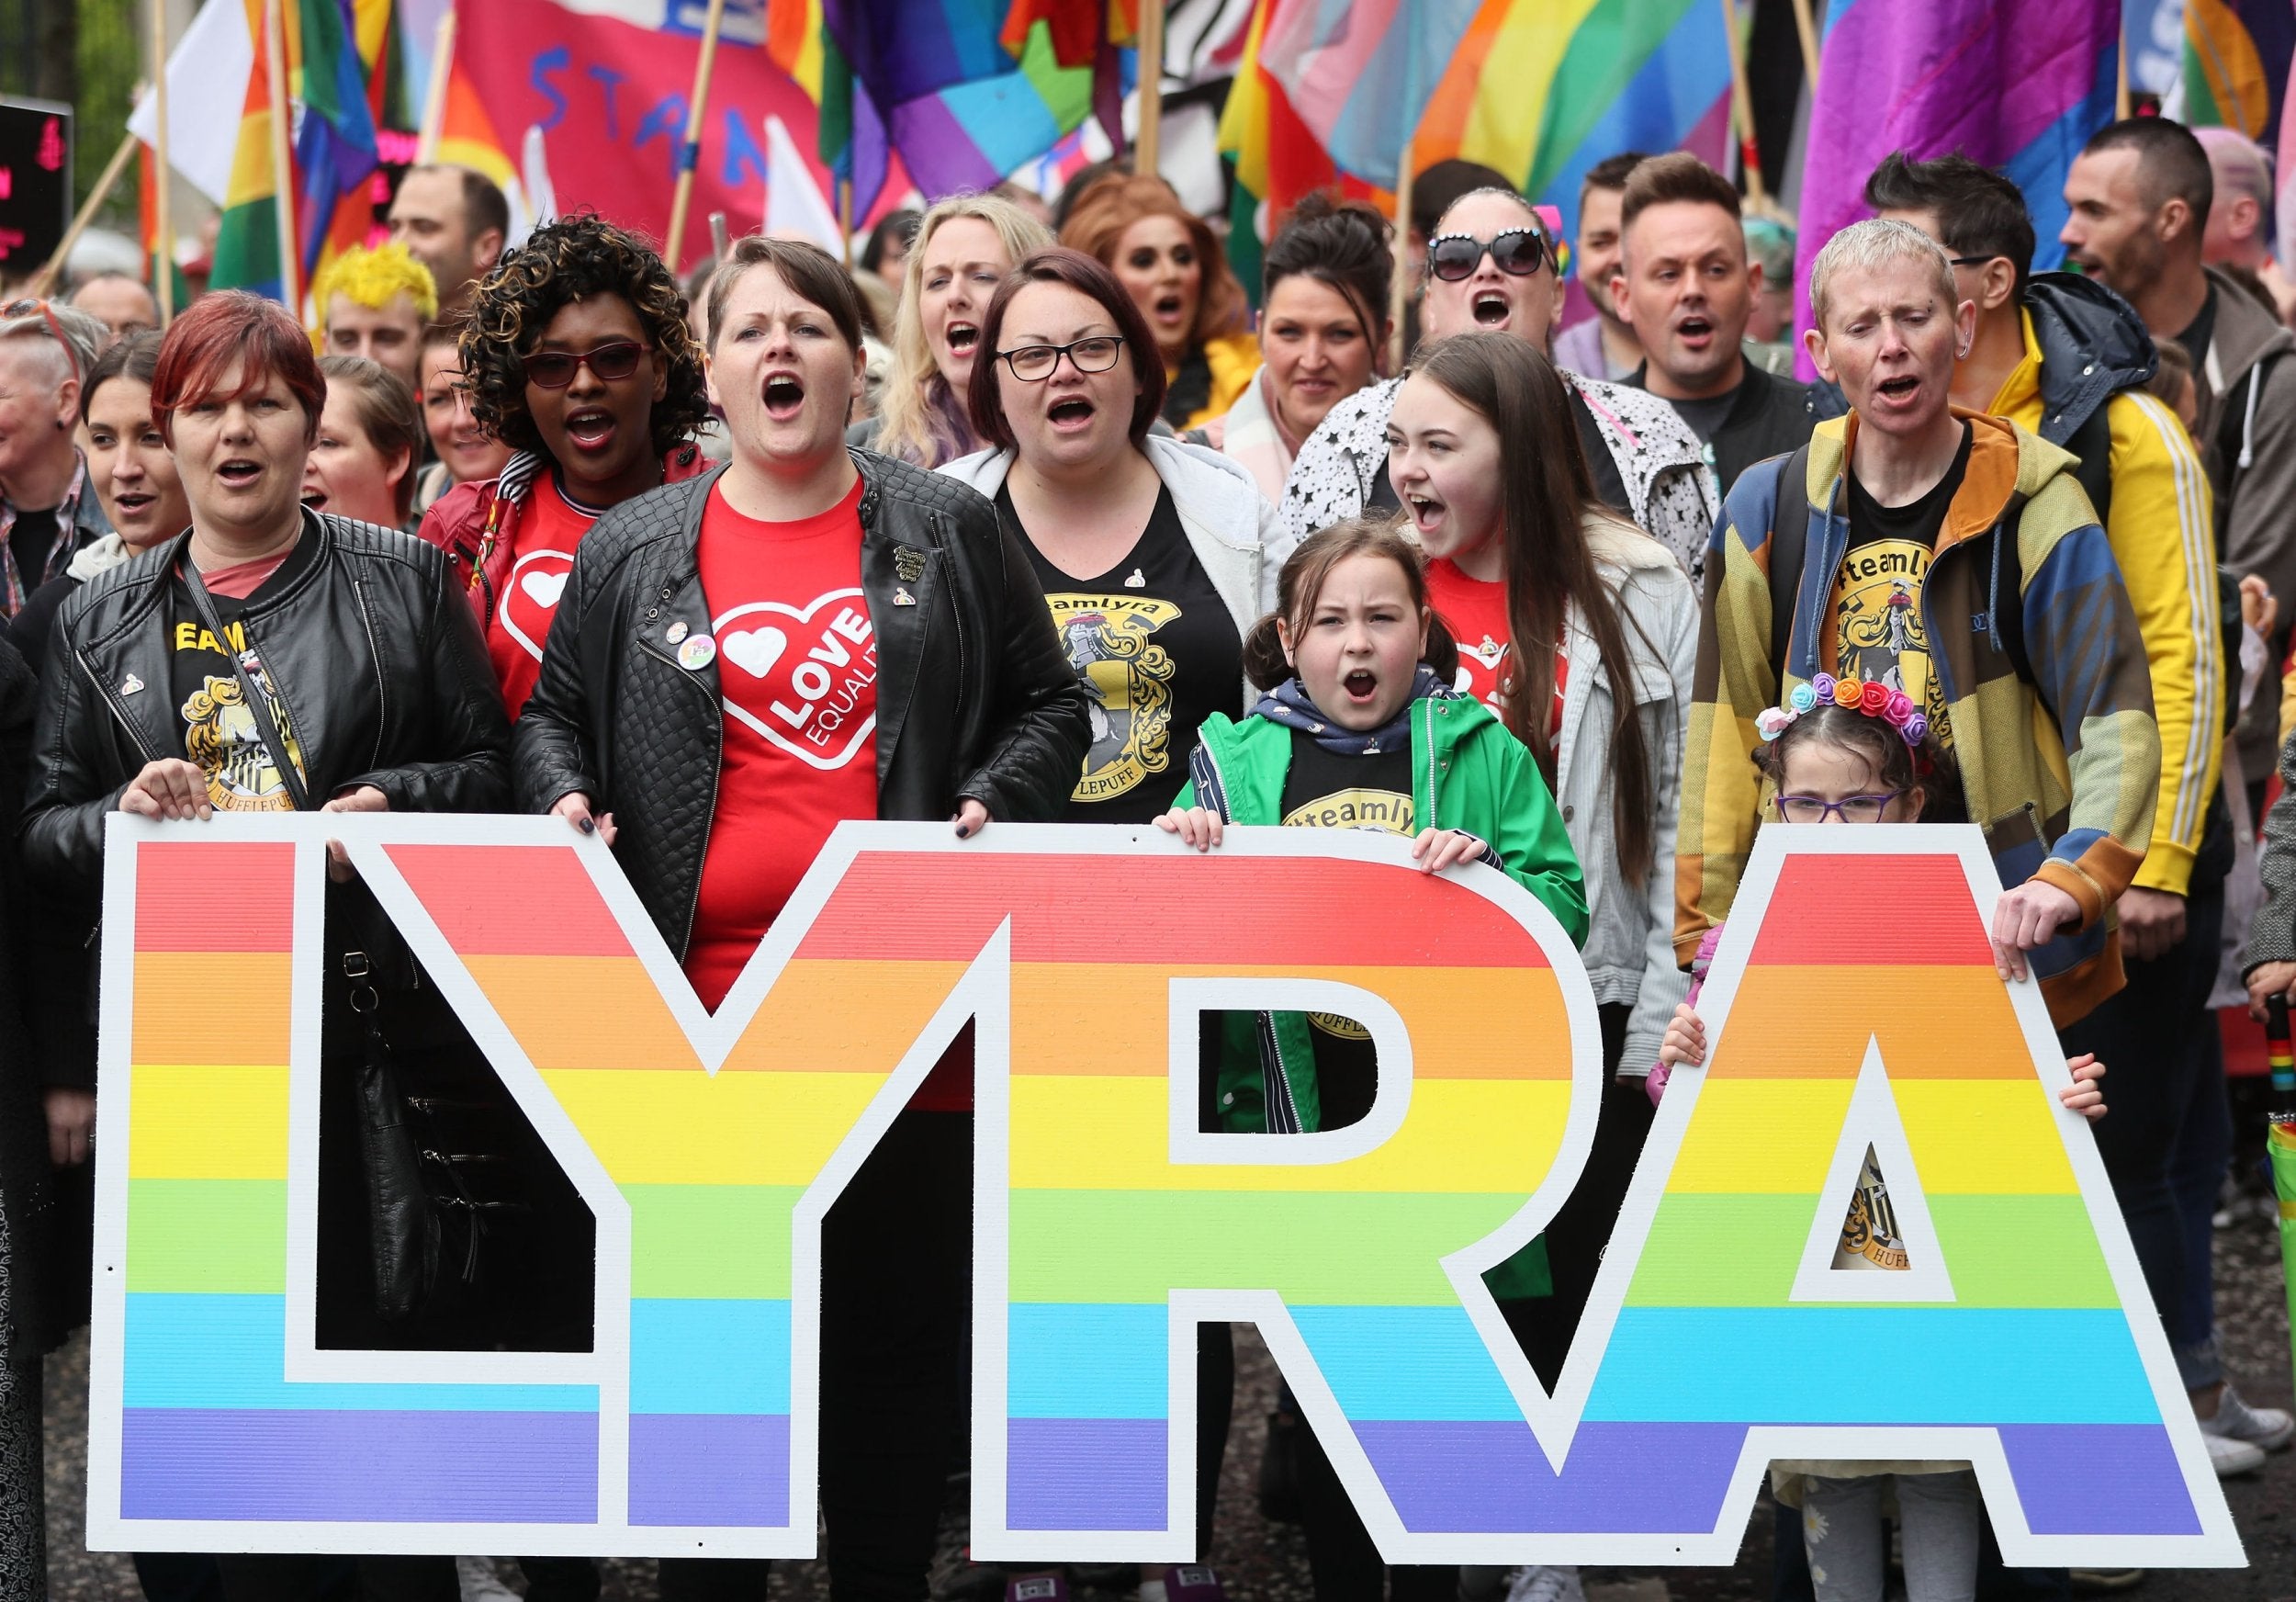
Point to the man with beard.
(2140, 195)
(1687, 286)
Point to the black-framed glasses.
(1518, 252)
(1850, 808)
(609, 363)
(1032, 364)
(1974, 260)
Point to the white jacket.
(1630, 949)
(1229, 524)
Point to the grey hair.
(84, 337)
(1873, 243)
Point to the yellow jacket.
(2162, 529)
(1234, 360)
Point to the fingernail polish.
(964, 831)
(586, 826)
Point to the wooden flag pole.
(698, 104)
(845, 219)
(1807, 26)
(164, 175)
(2120, 83)
(52, 269)
(435, 97)
(1148, 143)
(282, 162)
(1743, 109)
(1399, 299)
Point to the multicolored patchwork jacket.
(2060, 762)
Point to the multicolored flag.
(2018, 84)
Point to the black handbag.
(426, 1158)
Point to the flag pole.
(1398, 298)
(691, 156)
(1807, 26)
(162, 213)
(2121, 82)
(1743, 109)
(845, 219)
(282, 164)
(41, 280)
(1148, 143)
(435, 97)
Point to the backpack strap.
(1789, 544)
(2093, 443)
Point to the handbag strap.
(258, 703)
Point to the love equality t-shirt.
(796, 657)
(542, 553)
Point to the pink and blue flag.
(2018, 84)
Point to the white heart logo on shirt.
(754, 650)
(531, 595)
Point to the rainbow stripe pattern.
(1118, 1209)
(212, 1425)
(1106, 1225)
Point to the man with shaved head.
(48, 508)
(2142, 196)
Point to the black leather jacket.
(378, 657)
(974, 696)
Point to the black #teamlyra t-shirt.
(221, 734)
(1326, 790)
(1878, 631)
(1157, 653)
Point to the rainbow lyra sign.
(1853, 1003)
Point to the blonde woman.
(963, 247)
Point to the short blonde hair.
(1874, 243)
(373, 277)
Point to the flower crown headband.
(1870, 697)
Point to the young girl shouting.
(1360, 729)
(1356, 731)
(1832, 760)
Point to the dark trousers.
(301, 1577)
(896, 1268)
(2143, 1035)
(1580, 1231)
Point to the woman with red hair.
(1174, 269)
(273, 659)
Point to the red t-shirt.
(542, 553)
(1476, 612)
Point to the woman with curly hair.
(963, 248)
(1170, 265)
(578, 357)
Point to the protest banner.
(1853, 1003)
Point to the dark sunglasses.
(1518, 252)
(609, 363)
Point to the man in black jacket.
(1686, 284)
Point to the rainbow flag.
(2018, 84)
(2236, 55)
(1543, 91)
(247, 232)
(932, 81)
(334, 152)
(1360, 75)
(1538, 90)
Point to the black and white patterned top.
(1670, 486)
